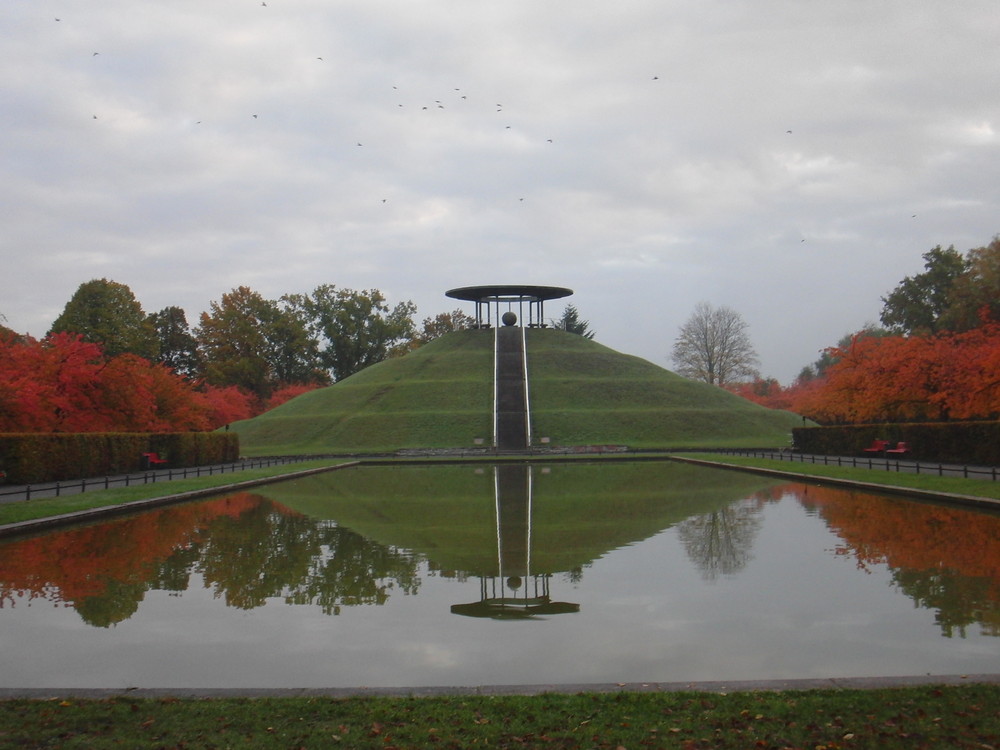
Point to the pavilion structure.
(492, 299)
(511, 407)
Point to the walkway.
(512, 427)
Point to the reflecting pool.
(475, 574)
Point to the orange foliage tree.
(940, 377)
(909, 378)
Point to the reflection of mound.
(579, 511)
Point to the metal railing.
(870, 462)
(76, 486)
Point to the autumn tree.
(918, 302)
(178, 349)
(571, 323)
(355, 329)
(107, 313)
(65, 384)
(255, 343)
(910, 378)
(713, 346)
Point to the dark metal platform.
(490, 297)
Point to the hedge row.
(947, 442)
(53, 457)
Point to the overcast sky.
(791, 159)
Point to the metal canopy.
(496, 295)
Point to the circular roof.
(492, 292)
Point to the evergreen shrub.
(28, 458)
(947, 442)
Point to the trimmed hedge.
(54, 457)
(951, 442)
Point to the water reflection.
(721, 542)
(514, 590)
(245, 548)
(355, 537)
(945, 558)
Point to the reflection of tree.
(245, 548)
(959, 600)
(354, 570)
(944, 558)
(720, 543)
(119, 602)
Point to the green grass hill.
(582, 393)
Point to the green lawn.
(907, 718)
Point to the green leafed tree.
(443, 323)
(571, 323)
(178, 348)
(355, 329)
(255, 343)
(918, 302)
(713, 346)
(976, 292)
(107, 313)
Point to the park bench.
(900, 449)
(877, 446)
(152, 460)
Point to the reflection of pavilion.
(514, 592)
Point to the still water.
(464, 575)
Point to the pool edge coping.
(886, 489)
(711, 686)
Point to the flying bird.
(255, 117)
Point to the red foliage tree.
(65, 384)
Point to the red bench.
(877, 446)
(900, 449)
(150, 460)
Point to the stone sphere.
(509, 318)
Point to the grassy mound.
(582, 393)
(439, 396)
